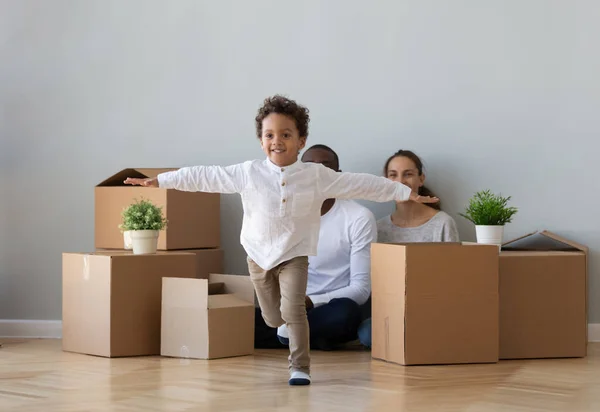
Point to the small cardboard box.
(112, 301)
(434, 303)
(543, 298)
(193, 217)
(207, 319)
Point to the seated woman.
(411, 221)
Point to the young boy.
(282, 198)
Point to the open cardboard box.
(193, 217)
(112, 300)
(543, 297)
(208, 319)
(434, 303)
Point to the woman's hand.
(422, 199)
(149, 182)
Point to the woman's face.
(404, 170)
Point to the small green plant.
(486, 208)
(143, 215)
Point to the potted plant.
(142, 223)
(489, 212)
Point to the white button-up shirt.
(282, 205)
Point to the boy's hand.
(423, 199)
(149, 182)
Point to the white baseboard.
(53, 329)
(594, 332)
(30, 328)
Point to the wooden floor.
(35, 375)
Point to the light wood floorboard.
(36, 376)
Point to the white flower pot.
(489, 235)
(144, 241)
(127, 245)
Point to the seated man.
(339, 281)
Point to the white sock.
(283, 332)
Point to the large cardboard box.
(543, 298)
(434, 303)
(207, 260)
(193, 217)
(208, 319)
(112, 301)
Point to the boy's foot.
(282, 335)
(299, 378)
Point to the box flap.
(561, 239)
(543, 241)
(185, 292)
(239, 285)
(519, 238)
(226, 301)
(118, 178)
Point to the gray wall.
(493, 94)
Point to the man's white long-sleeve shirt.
(282, 205)
(342, 266)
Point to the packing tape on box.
(387, 337)
(86, 267)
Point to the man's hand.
(309, 303)
(422, 199)
(149, 182)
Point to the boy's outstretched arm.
(342, 185)
(211, 179)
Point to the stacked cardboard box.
(193, 218)
(112, 299)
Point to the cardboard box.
(434, 303)
(112, 301)
(207, 260)
(208, 319)
(543, 298)
(193, 217)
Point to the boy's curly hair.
(288, 107)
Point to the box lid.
(543, 241)
(118, 178)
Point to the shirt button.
(282, 200)
(282, 169)
(282, 183)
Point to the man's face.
(322, 156)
